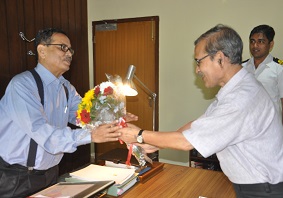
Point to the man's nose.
(255, 44)
(69, 53)
(197, 70)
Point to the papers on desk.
(119, 189)
(124, 178)
(92, 180)
(103, 173)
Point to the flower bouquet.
(106, 103)
(103, 104)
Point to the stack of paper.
(119, 189)
(103, 173)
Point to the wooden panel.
(29, 16)
(4, 61)
(135, 42)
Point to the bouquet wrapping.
(106, 103)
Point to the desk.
(183, 182)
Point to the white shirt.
(270, 74)
(243, 128)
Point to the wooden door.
(29, 16)
(118, 44)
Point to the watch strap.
(140, 132)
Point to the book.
(73, 189)
(119, 189)
(102, 173)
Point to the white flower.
(104, 85)
(102, 98)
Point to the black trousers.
(17, 181)
(262, 190)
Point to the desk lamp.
(131, 90)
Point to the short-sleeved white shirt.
(270, 74)
(243, 128)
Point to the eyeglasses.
(198, 60)
(64, 48)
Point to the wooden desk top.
(180, 181)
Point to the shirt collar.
(232, 83)
(267, 60)
(47, 77)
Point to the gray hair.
(225, 39)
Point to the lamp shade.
(129, 86)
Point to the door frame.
(156, 61)
(156, 52)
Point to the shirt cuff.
(84, 137)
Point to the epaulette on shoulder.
(276, 60)
(245, 61)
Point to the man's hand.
(105, 133)
(129, 133)
(148, 148)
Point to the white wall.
(181, 22)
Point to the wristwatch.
(139, 137)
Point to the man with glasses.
(24, 117)
(241, 126)
(266, 68)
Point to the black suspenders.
(33, 144)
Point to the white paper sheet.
(103, 173)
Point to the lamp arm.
(153, 95)
(150, 92)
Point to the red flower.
(85, 116)
(108, 91)
(97, 90)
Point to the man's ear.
(219, 56)
(41, 51)
(271, 46)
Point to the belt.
(19, 167)
(262, 187)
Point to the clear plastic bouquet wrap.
(106, 103)
(139, 154)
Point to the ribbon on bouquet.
(128, 162)
(123, 123)
(137, 151)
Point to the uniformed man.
(266, 68)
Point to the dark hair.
(267, 30)
(225, 39)
(44, 37)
